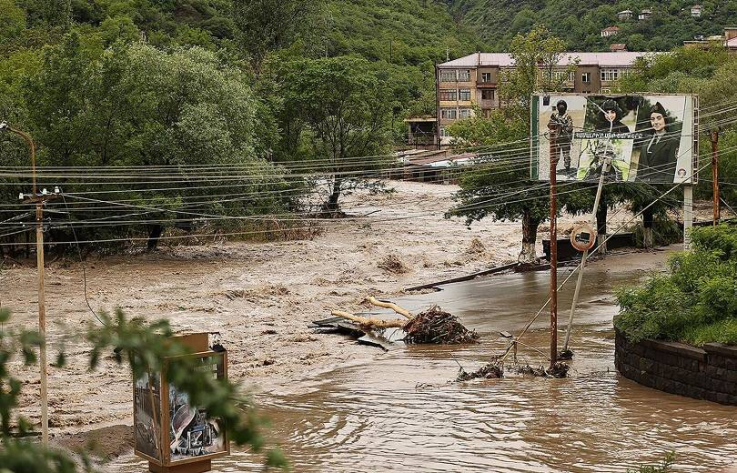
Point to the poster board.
(169, 431)
(650, 138)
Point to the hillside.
(579, 22)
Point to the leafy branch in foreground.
(146, 348)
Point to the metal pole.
(715, 172)
(553, 245)
(604, 169)
(42, 320)
(687, 215)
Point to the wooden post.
(553, 245)
(715, 173)
(42, 320)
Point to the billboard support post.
(687, 215)
(553, 134)
(715, 172)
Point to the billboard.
(649, 138)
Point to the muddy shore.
(260, 297)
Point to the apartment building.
(472, 82)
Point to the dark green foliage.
(579, 22)
(696, 302)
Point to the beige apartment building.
(472, 82)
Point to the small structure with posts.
(172, 435)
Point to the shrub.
(696, 302)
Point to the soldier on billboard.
(564, 123)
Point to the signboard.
(649, 138)
(169, 431)
(583, 237)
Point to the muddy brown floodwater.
(400, 412)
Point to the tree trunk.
(601, 214)
(154, 234)
(529, 237)
(647, 228)
(332, 206)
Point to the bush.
(696, 302)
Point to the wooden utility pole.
(39, 199)
(553, 133)
(715, 173)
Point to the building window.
(448, 95)
(486, 77)
(443, 133)
(563, 76)
(464, 76)
(606, 90)
(465, 94)
(447, 76)
(449, 113)
(609, 74)
(586, 77)
(465, 113)
(487, 94)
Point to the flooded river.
(402, 413)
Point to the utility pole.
(715, 173)
(553, 133)
(39, 199)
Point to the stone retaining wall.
(703, 373)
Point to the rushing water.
(402, 413)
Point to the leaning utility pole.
(553, 133)
(39, 199)
(715, 173)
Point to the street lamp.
(39, 200)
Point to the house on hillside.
(624, 15)
(728, 40)
(696, 11)
(617, 47)
(644, 14)
(471, 82)
(610, 31)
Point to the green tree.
(343, 105)
(12, 21)
(270, 25)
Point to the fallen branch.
(390, 305)
(368, 322)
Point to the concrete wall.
(703, 373)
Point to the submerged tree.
(502, 187)
(342, 104)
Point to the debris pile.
(491, 371)
(436, 326)
(431, 326)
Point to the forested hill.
(579, 22)
(400, 31)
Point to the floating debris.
(493, 370)
(436, 326)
